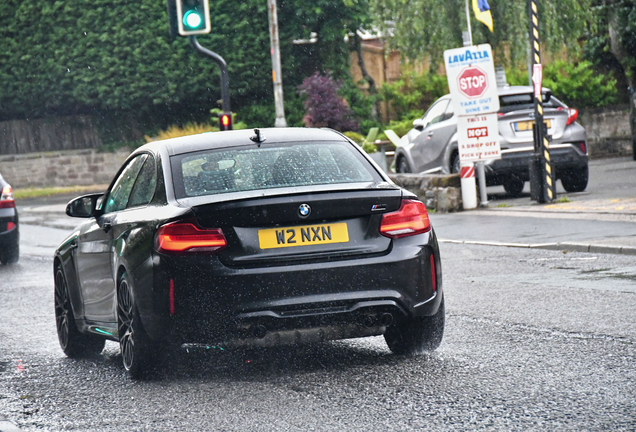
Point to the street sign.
(472, 80)
(478, 138)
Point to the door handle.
(429, 135)
(107, 226)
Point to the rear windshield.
(248, 168)
(523, 101)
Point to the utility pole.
(542, 179)
(276, 69)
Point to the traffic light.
(193, 17)
(225, 121)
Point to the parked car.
(235, 239)
(9, 230)
(431, 146)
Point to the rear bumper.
(563, 156)
(292, 303)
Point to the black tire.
(422, 334)
(11, 255)
(137, 350)
(454, 165)
(73, 343)
(402, 166)
(575, 180)
(513, 186)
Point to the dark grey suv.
(431, 146)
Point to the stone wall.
(61, 168)
(441, 193)
(608, 131)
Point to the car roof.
(211, 140)
(512, 90)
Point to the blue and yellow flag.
(482, 12)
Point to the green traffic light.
(192, 19)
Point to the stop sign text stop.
(472, 82)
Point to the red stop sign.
(472, 82)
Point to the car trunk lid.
(293, 228)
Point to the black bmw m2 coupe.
(248, 238)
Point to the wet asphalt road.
(535, 340)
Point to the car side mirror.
(547, 97)
(418, 124)
(84, 206)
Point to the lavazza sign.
(473, 88)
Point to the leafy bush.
(401, 127)
(360, 139)
(578, 85)
(256, 115)
(411, 96)
(324, 107)
(360, 103)
(115, 58)
(175, 131)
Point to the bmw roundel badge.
(304, 210)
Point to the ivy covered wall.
(115, 59)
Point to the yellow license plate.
(527, 125)
(305, 235)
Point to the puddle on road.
(563, 277)
(628, 274)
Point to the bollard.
(469, 187)
(381, 158)
(481, 175)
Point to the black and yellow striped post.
(542, 179)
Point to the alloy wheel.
(62, 309)
(125, 318)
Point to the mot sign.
(472, 80)
(478, 138)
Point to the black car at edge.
(243, 238)
(9, 229)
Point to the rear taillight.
(6, 198)
(186, 237)
(10, 226)
(573, 114)
(410, 219)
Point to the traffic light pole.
(225, 81)
(542, 178)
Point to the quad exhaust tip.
(372, 320)
(386, 319)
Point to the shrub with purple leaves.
(324, 107)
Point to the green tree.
(612, 41)
(428, 27)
